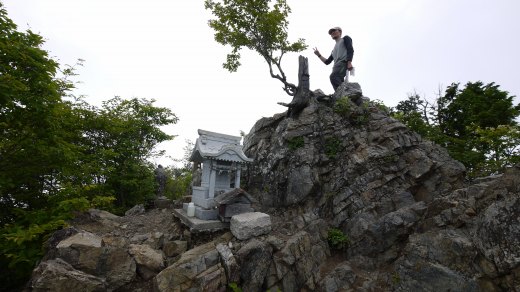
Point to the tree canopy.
(476, 123)
(257, 25)
(60, 155)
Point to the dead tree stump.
(302, 96)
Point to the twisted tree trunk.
(302, 96)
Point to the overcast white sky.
(164, 49)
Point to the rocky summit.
(356, 202)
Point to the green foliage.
(504, 144)
(118, 140)
(337, 239)
(21, 248)
(476, 124)
(332, 147)
(34, 143)
(178, 182)
(234, 287)
(295, 142)
(479, 104)
(396, 278)
(21, 243)
(343, 106)
(362, 115)
(60, 155)
(257, 25)
(380, 106)
(357, 115)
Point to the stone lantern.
(218, 159)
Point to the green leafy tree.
(461, 111)
(179, 179)
(477, 124)
(22, 242)
(36, 150)
(34, 143)
(178, 182)
(414, 112)
(60, 155)
(257, 25)
(503, 143)
(121, 137)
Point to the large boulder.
(199, 268)
(149, 261)
(247, 225)
(82, 250)
(58, 275)
(254, 259)
(117, 266)
(174, 248)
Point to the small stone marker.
(247, 225)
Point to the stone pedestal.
(202, 213)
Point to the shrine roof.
(231, 195)
(216, 146)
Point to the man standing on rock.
(342, 55)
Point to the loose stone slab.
(247, 225)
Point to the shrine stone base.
(200, 200)
(196, 225)
(202, 213)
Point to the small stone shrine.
(232, 203)
(218, 159)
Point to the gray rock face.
(412, 221)
(254, 258)
(357, 150)
(498, 233)
(247, 225)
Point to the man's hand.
(349, 65)
(316, 52)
